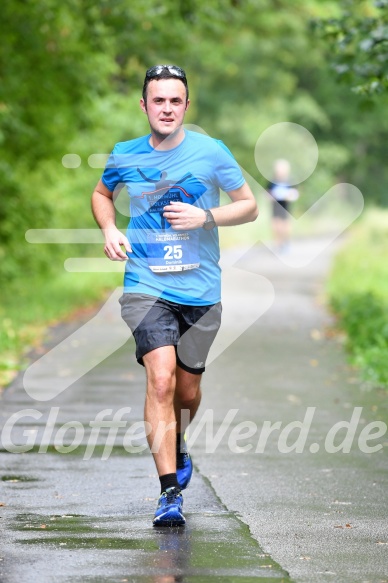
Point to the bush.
(358, 288)
(364, 317)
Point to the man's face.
(166, 105)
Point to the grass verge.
(358, 294)
(28, 310)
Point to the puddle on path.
(214, 546)
(14, 479)
(89, 522)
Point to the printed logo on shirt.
(187, 189)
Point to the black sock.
(179, 437)
(168, 481)
(180, 453)
(180, 443)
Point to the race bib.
(172, 251)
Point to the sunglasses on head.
(156, 70)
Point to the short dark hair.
(164, 72)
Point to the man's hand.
(184, 216)
(292, 194)
(104, 213)
(114, 240)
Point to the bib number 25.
(173, 251)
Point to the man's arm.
(242, 209)
(105, 215)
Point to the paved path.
(269, 514)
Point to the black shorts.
(280, 208)
(156, 322)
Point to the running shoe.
(184, 469)
(184, 466)
(169, 510)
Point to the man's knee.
(188, 394)
(161, 384)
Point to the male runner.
(171, 298)
(282, 194)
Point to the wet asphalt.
(78, 505)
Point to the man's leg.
(281, 229)
(159, 411)
(187, 397)
(170, 390)
(186, 402)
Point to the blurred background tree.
(359, 45)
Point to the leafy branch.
(357, 45)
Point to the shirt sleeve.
(111, 174)
(228, 172)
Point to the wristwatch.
(209, 223)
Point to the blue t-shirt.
(180, 266)
(279, 190)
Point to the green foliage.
(51, 66)
(70, 81)
(364, 317)
(26, 311)
(358, 42)
(49, 72)
(358, 292)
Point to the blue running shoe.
(184, 469)
(169, 510)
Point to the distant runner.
(282, 194)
